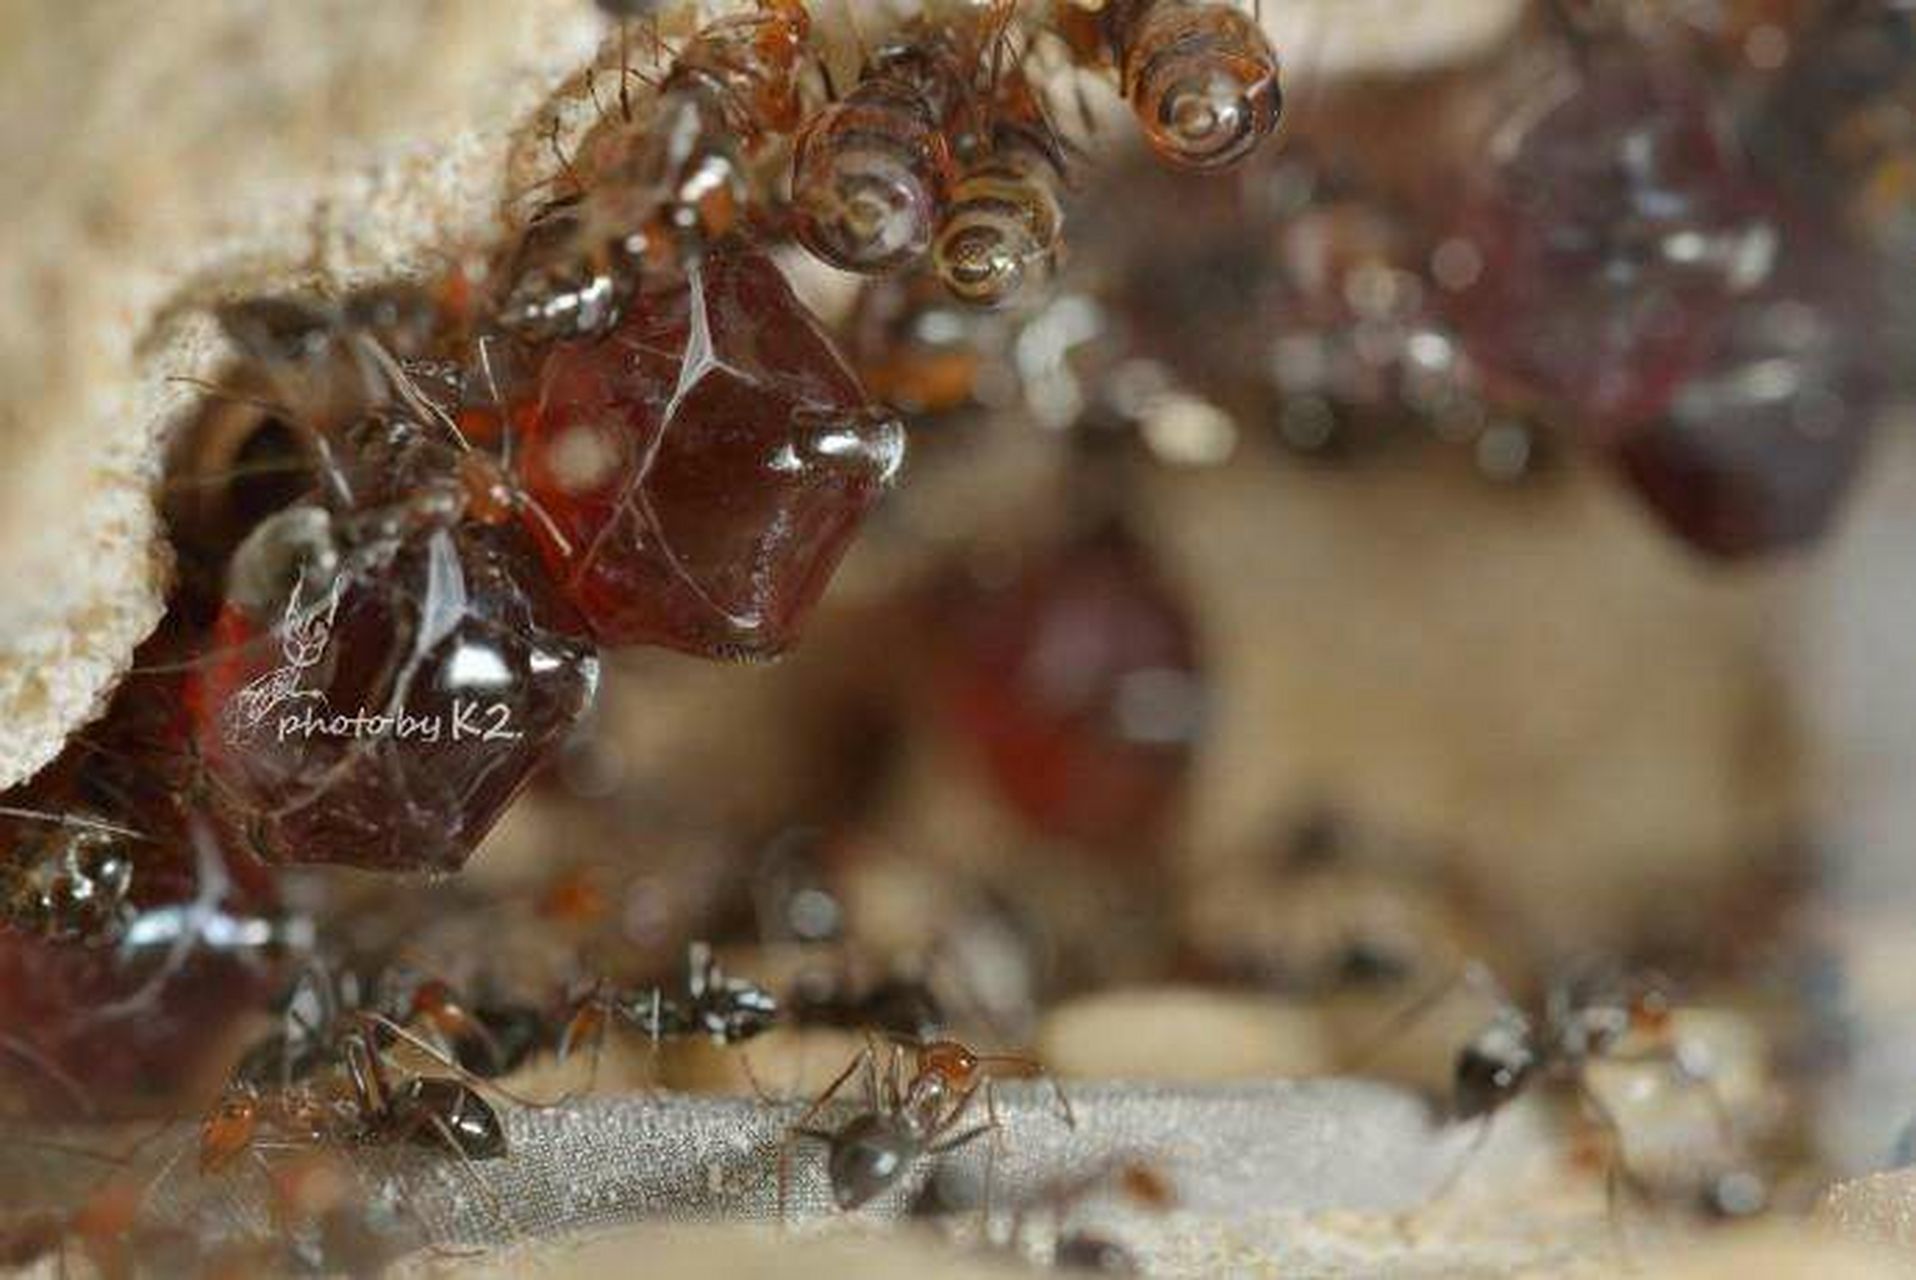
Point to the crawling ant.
(1577, 1023)
(906, 1117)
(724, 1009)
(657, 192)
(365, 1108)
(322, 1079)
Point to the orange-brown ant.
(906, 1117)
(365, 1107)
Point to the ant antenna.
(75, 821)
(858, 36)
(566, 166)
(34, 1058)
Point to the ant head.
(228, 1128)
(1493, 1068)
(949, 1059)
(792, 19)
(432, 996)
(868, 1157)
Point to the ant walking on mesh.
(906, 1117)
(355, 1102)
(725, 1009)
(1578, 1022)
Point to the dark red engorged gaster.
(1612, 228)
(1759, 448)
(123, 977)
(1079, 687)
(379, 698)
(696, 475)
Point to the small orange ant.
(906, 1117)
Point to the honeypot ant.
(657, 192)
(905, 1118)
(1200, 75)
(69, 882)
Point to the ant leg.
(515, 1234)
(1472, 975)
(75, 1091)
(380, 1021)
(1031, 1066)
(862, 1058)
(588, 1018)
(652, 1038)
(1617, 1174)
(625, 70)
(970, 1135)
(992, 1144)
(883, 1087)
(759, 1091)
(1406, 1220)
(1478, 1141)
